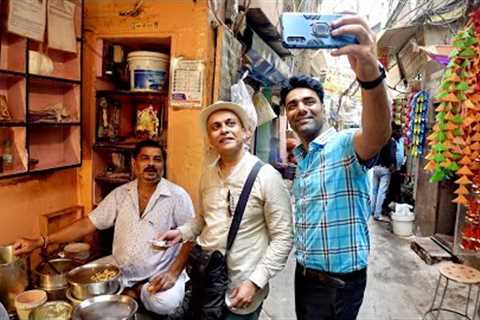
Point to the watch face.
(321, 29)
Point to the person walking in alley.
(264, 239)
(331, 186)
(381, 174)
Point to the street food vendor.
(139, 211)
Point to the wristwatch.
(367, 85)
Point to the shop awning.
(265, 63)
(257, 19)
(395, 38)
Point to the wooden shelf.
(12, 123)
(52, 79)
(38, 144)
(12, 86)
(110, 180)
(54, 147)
(43, 94)
(16, 136)
(123, 106)
(130, 98)
(114, 147)
(66, 65)
(12, 50)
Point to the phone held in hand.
(302, 30)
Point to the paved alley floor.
(400, 285)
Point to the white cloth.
(169, 207)
(3, 313)
(264, 239)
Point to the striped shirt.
(332, 205)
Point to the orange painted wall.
(186, 23)
(22, 200)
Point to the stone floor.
(400, 285)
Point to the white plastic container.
(402, 224)
(148, 70)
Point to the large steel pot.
(48, 279)
(13, 277)
(82, 285)
(106, 307)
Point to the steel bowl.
(82, 285)
(110, 307)
(48, 279)
(58, 310)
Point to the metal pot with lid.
(13, 276)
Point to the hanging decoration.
(455, 141)
(418, 122)
(406, 129)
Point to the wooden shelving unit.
(35, 142)
(107, 150)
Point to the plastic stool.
(461, 274)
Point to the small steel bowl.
(82, 285)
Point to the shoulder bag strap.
(242, 202)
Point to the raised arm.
(375, 124)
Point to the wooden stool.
(460, 274)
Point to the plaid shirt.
(332, 205)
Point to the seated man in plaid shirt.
(331, 186)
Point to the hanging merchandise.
(399, 110)
(408, 112)
(418, 122)
(455, 141)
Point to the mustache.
(150, 169)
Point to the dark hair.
(301, 82)
(148, 144)
(396, 126)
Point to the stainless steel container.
(59, 310)
(13, 277)
(48, 279)
(106, 307)
(82, 285)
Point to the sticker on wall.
(186, 83)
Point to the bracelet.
(45, 241)
(367, 85)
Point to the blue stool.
(458, 273)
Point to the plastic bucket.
(148, 70)
(403, 225)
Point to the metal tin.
(13, 277)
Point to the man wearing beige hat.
(264, 239)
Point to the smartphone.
(302, 30)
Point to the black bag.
(208, 270)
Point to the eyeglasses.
(230, 203)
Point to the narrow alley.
(400, 284)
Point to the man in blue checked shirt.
(331, 187)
